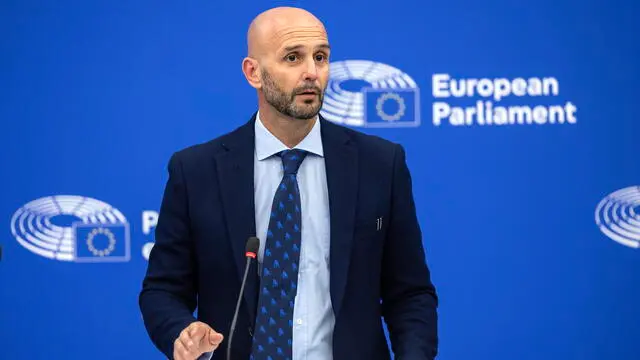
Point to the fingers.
(215, 338)
(187, 345)
(195, 340)
(197, 331)
(180, 352)
(211, 340)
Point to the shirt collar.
(268, 145)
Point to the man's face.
(296, 74)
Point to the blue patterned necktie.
(274, 323)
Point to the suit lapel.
(235, 176)
(341, 162)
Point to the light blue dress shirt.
(313, 318)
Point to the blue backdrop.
(531, 222)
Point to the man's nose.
(311, 70)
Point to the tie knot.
(291, 160)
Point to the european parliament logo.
(618, 216)
(370, 94)
(72, 228)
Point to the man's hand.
(197, 339)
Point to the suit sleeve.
(168, 296)
(409, 300)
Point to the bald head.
(270, 29)
(287, 62)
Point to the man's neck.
(288, 130)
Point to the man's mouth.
(308, 92)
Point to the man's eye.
(321, 57)
(292, 57)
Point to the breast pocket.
(371, 215)
(368, 244)
(371, 229)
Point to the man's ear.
(251, 71)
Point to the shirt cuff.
(206, 356)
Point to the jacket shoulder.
(195, 154)
(369, 145)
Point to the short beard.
(285, 102)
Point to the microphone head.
(253, 244)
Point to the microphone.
(251, 252)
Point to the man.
(340, 244)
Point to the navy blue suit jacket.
(207, 214)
